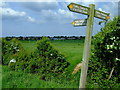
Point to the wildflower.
(111, 46)
(17, 50)
(111, 51)
(108, 47)
(117, 43)
(117, 59)
(111, 38)
(13, 60)
(117, 37)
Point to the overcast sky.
(47, 18)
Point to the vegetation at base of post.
(20, 79)
(105, 56)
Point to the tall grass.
(12, 79)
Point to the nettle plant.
(104, 66)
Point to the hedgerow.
(10, 48)
(104, 65)
(45, 61)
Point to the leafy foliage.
(105, 57)
(48, 59)
(10, 48)
(22, 61)
(45, 61)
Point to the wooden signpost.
(79, 22)
(91, 12)
(78, 8)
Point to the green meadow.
(71, 49)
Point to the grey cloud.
(11, 14)
(59, 16)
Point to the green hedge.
(106, 57)
(45, 61)
(10, 48)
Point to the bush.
(45, 61)
(48, 59)
(10, 48)
(105, 57)
(22, 59)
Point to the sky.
(48, 18)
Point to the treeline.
(51, 38)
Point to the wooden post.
(91, 12)
(87, 46)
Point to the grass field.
(73, 51)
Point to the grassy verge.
(12, 79)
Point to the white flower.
(117, 43)
(18, 50)
(117, 59)
(15, 47)
(13, 60)
(111, 46)
(114, 40)
(51, 54)
(117, 37)
(108, 47)
(113, 37)
(111, 51)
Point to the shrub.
(105, 57)
(45, 61)
(10, 48)
(49, 60)
(22, 59)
